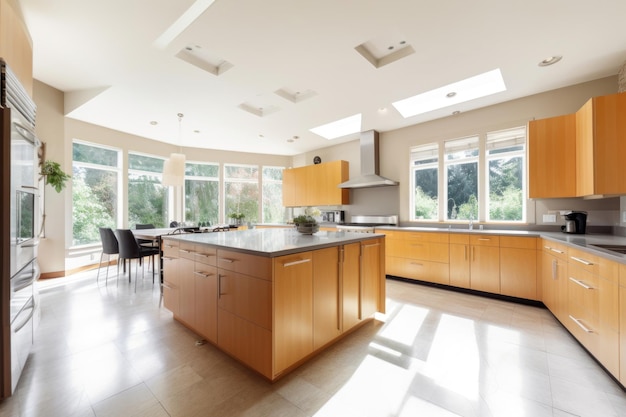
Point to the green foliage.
(508, 206)
(88, 214)
(304, 219)
(236, 216)
(54, 175)
(147, 200)
(426, 207)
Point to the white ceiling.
(120, 71)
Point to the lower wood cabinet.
(350, 269)
(554, 278)
(485, 263)
(518, 267)
(327, 321)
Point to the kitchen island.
(273, 298)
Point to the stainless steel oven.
(368, 223)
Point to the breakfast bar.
(273, 298)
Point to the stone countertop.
(579, 241)
(273, 242)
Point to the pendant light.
(174, 167)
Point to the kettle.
(575, 222)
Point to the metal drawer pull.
(205, 255)
(557, 251)
(166, 285)
(185, 251)
(203, 274)
(484, 239)
(371, 244)
(168, 258)
(301, 261)
(582, 326)
(230, 261)
(416, 263)
(579, 282)
(582, 261)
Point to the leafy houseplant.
(238, 217)
(54, 175)
(306, 224)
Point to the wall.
(395, 147)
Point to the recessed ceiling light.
(261, 136)
(289, 140)
(382, 110)
(154, 123)
(296, 137)
(196, 131)
(451, 94)
(481, 85)
(551, 60)
(456, 112)
(339, 128)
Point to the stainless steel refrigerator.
(19, 198)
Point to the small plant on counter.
(237, 217)
(304, 219)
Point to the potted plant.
(53, 174)
(306, 224)
(237, 217)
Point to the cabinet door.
(554, 285)
(293, 309)
(206, 301)
(609, 146)
(485, 264)
(552, 157)
(371, 277)
(187, 292)
(326, 301)
(459, 265)
(351, 284)
(518, 267)
(171, 284)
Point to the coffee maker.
(575, 222)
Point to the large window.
(273, 210)
(202, 193)
(425, 182)
(483, 177)
(95, 191)
(147, 198)
(506, 185)
(241, 191)
(461, 167)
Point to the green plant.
(304, 219)
(237, 216)
(54, 175)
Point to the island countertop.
(273, 242)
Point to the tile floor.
(108, 351)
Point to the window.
(202, 193)
(95, 190)
(241, 191)
(461, 168)
(506, 186)
(147, 198)
(425, 182)
(273, 210)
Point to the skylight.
(481, 85)
(339, 128)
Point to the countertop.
(273, 242)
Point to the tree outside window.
(461, 162)
(425, 182)
(273, 209)
(147, 198)
(241, 192)
(202, 193)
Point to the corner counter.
(273, 298)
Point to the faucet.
(471, 222)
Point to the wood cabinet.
(350, 268)
(485, 263)
(171, 277)
(316, 185)
(600, 132)
(372, 290)
(422, 256)
(622, 323)
(293, 309)
(459, 260)
(552, 157)
(518, 267)
(554, 278)
(16, 46)
(326, 296)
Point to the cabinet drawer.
(518, 242)
(170, 248)
(484, 240)
(205, 254)
(417, 249)
(434, 237)
(246, 297)
(555, 249)
(583, 294)
(256, 266)
(420, 270)
(187, 250)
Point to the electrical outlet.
(549, 218)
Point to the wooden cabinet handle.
(582, 261)
(580, 324)
(579, 282)
(298, 262)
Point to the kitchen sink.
(613, 248)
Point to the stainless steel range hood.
(369, 165)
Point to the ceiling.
(255, 76)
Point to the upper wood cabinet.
(316, 185)
(16, 47)
(601, 146)
(552, 157)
